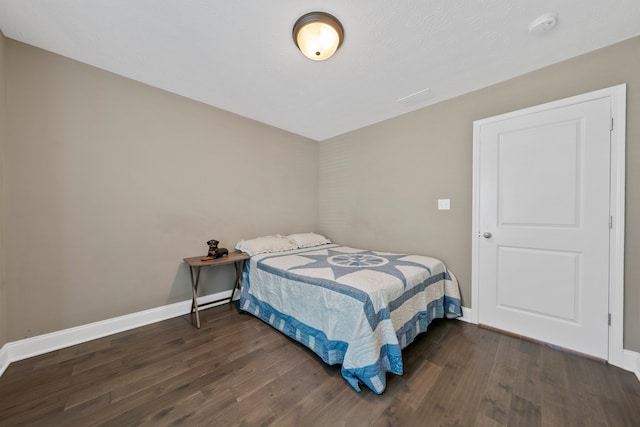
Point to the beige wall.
(3, 295)
(110, 183)
(378, 186)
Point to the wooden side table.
(195, 263)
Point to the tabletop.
(200, 261)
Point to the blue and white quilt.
(350, 306)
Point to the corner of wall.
(3, 293)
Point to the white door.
(543, 224)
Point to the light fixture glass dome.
(318, 35)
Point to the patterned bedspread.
(350, 306)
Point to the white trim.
(4, 358)
(475, 226)
(631, 362)
(617, 94)
(467, 315)
(34, 346)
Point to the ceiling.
(239, 55)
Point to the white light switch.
(444, 204)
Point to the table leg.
(194, 288)
(238, 282)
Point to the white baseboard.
(4, 358)
(631, 362)
(34, 346)
(467, 315)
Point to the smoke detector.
(543, 24)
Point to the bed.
(350, 306)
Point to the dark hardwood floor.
(237, 370)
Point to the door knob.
(487, 235)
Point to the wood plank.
(496, 401)
(556, 390)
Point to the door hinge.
(610, 222)
(609, 319)
(611, 126)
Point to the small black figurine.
(213, 245)
(214, 251)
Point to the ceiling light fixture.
(318, 35)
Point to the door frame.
(618, 95)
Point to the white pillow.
(261, 245)
(307, 240)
